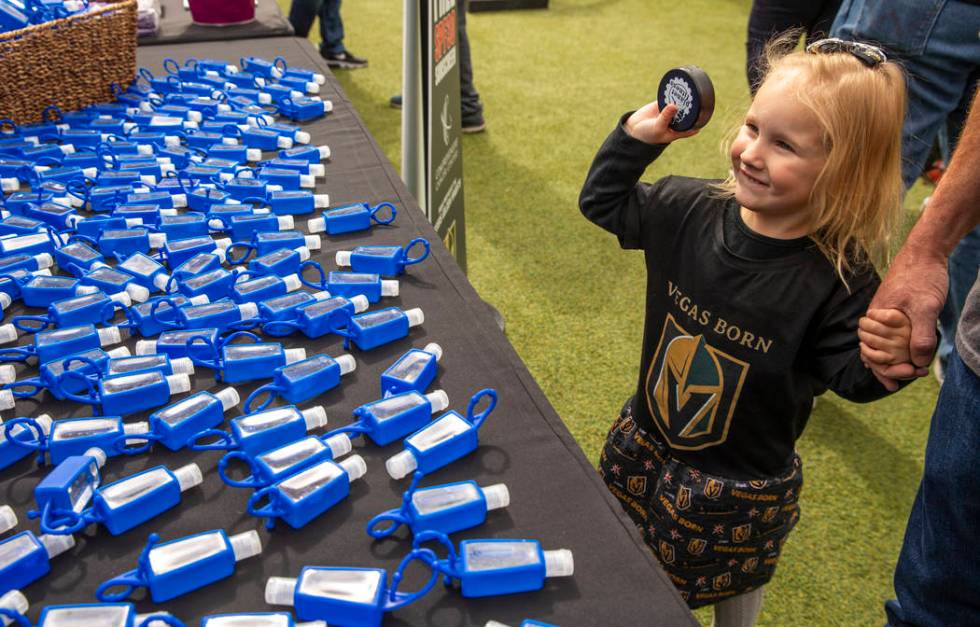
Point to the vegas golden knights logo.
(696, 546)
(758, 484)
(712, 488)
(722, 581)
(692, 389)
(626, 426)
(683, 497)
(770, 513)
(666, 552)
(637, 484)
(741, 533)
(750, 565)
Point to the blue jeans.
(936, 41)
(303, 12)
(936, 579)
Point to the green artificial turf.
(554, 83)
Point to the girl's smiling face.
(777, 156)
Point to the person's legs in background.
(470, 105)
(301, 15)
(740, 611)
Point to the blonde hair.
(857, 197)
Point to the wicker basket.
(69, 62)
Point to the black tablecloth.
(176, 26)
(556, 495)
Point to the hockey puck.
(691, 90)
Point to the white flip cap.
(160, 281)
(327, 106)
(10, 184)
(188, 476)
(220, 254)
(200, 299)
(178, 383)
(321, 201)
(324, 152)
(67, 149)
(415, 317)
(497, 496)
(245, 545)
(132, 223)
(286, 223)
(389, 287)
(316, 225)
(8, 520)
(16, 601)
(253, 154)
(90, 172)
(117, 352)
(182, 365)
(158, 240)
(360, 302)
(179, 200)
(312, 87)
(56, 545)
(312, 242)
(280, 590)
(42, 272)
(321, 295)
(222, 243)
(44, 421)
(190, 124)
(558, 563)
(146, 347)
(171, 140)
(347, 364)
(315, 417)
(148, 179)
(44, 260)
(216, 225)
(273, 188)
(123, 298)
(8, 374)
(7, 400)
(339, 444)
(307, 180)
(144, 149)
(493, 623)
(355, 466)
(138, 293)
(84, 290)
(284, 142)
(98, 455)
(401, 464)
(435, 349)
(304, 254)
(317, 170)
(110, 335)
(343, 258)
(439, 400)
(265, 98)
(229, 398)
(194, 115)
(294, 354)
(292, 282)
(248, 310)
(8, 333)
(134, 428)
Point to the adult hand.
(916, 284)
(651, 125)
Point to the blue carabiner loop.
(250, 251)
(109, 311)
(5, 122)
(231, 130)
(377, 208)
(270, 511)
(409, 261)
(271, 389)
(213, 364)
(119, 444)
(170, 66)
(337, 317)
(39, 444)
(398, 517)
(251, 481)
(8, 355)
(52, 109)
(309, 263)
(397, 600)
(167, 619)
(80, 187)
(19, 323)
(477, 420)
(130, 580)
(146, 75)
(93, 397)
(280, 63)
(256, 200)
(15, 617)
(155, 307)
(224, 442)
(278, 328)
(103, 151)
(60, 522)
(448, 566)
(34, 384)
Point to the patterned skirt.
(716, 537)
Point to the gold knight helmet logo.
(696, 546)
(636, 484)
(683, 498)
(713, 488)
(722, 581)
(666, 552)
(692, 388)
(741, 533)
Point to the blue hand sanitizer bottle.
(303, 380)
(258, 432)
(300, 498)
(27, 558)
(286, 460)
(350, 218)
(444, 508)
(21, 436)
(442, 441)
(129, 393)
(171, 569)
(375, 328)
(413, 371)
(97, 614)
(388, 261)
(176, 425)
(257, 619)
(353, 283)
(67, 490)
(131, 501)
(395, 417)
(77, 435)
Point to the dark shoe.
(395, 102)
(473, 123)
(344, 60)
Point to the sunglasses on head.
(865, 53)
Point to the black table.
(556, 495)
(176, 26)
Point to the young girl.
(755, 286)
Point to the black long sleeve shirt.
(741, 330)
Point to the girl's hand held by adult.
(651, 125)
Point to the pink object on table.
(222, 12)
